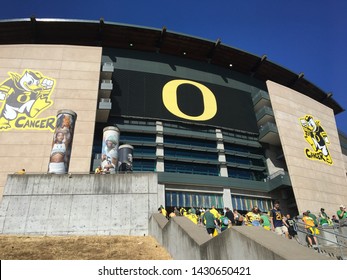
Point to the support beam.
(161, 38)
(292, 82)
(213, 50)
(257, 65)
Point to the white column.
(227, 198)
(221, 154)
(159, 140)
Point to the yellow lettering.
(169, 96)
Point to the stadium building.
(219, 126)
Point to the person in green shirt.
(224, 222)
(342, 215)
(313, 216)
(324, 220)
(265, 221)
(210, 222)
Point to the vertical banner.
(125, 153)
(109, 154)
(62, 142)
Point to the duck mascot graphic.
(24, 95)
(315, 135)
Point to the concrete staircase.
(334, 252)
(185, 240)
(332, 241)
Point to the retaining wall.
(79, 204)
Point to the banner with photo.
(109, 154)
(62, 142)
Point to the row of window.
(192, 199)
(197, 168)
(189, 155)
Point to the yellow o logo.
(22, 98)
(169, 96)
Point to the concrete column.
(159, 140)
(161, 195)
(221, 154)
(227, 198)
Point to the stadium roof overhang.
(112, 35)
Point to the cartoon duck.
(27, 93)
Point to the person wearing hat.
(324, 220)
(342, 215)
(314, 217)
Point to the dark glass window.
(143, 165)
(185, 141)
(246, 174)
(188, 154)
(129, 137)
(191, 168)
(141, 151)
(244, 149)
(244, 160)
(240, 173)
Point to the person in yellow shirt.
(162, 210)
(98, 170)
(310, 229)
(253, 217)
(215, 213)
(21, 172)
(183, 211)
(191, 216)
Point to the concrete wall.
(81, 205)
(315, 183)
(345, 161)
(76, 70)
(185, 240)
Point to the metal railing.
(332, 240)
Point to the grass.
(81, 248)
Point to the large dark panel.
(140, 94)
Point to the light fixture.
(184, 53)
(131, 44)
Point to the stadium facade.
(218, 125)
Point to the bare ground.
(81, 248)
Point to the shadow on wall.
(185, 240)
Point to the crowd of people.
(216, 221)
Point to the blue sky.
(303, 36)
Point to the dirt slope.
(81, 248)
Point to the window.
(191, 168)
